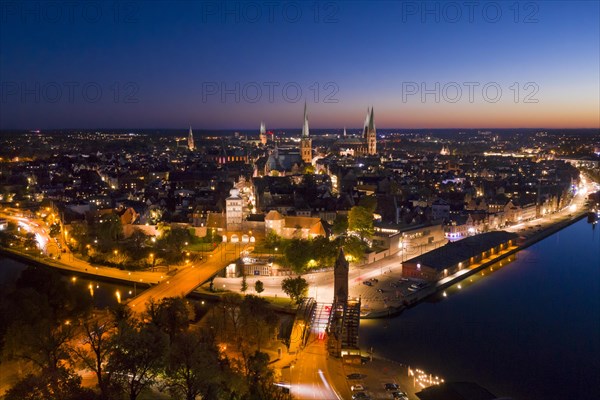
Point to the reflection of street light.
(118, 294)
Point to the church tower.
(305, 140)
(263, 134)
(190, 140)
(370, 134)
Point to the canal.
(527, 329)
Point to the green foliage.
(60, 384)
(360, 220)
(109, 230)
(138, 358)
(323, 251)
(171, 244)
(272, 240)
(353, 247)
(340, 224)
(194, 368)
(368, 202)
(259, 287)
(297, 254)
(171, 315)
(244, 287)
(295, 288)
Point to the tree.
(298, 254)
(109, 230)
(324, 251)
(360, 220)
(244, 284)
(138, 358)
(340, 224)
(368, 202)
(95, 351)
(172, 243)
(272, 239)
(353, 247)
(61, 384)
(259, 287)
(194, 367)
(171, 315)
(295, 288)
(261, 379)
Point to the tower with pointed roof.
(263, 134)
(370, 134)
(190, 140)
(340, 279)
(305, 140)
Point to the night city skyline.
(299, 200)
(230, 65)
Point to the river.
(103, 293)
(529, 329)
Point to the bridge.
(188, 279)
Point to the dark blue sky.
(153, 64)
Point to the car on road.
(403, 280)
(375, 280)
(368, 283)
(399, 396)
(354, 376)
(357, 388)
(391, 387)
(380, 290)
(360, 396)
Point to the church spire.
(190, 140)
(372, 121)
(305, 140)
(305, 131)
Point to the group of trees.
(103, 242)
(53, 330)
(301, 255)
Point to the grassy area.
(262, 248)
(200, 247)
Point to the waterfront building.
(455, 256)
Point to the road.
(189, 278)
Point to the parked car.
(391, 387)
(354, 376)
(357, 388)
(368, 283)
(399, 396)
(360, 396)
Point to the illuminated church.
(360, 146)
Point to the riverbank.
(394, 307)
(82, 269)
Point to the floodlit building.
(233, 210)
(454, 256)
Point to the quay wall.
(422, 294)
